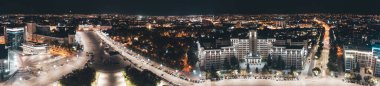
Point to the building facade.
(354, 57)
(215, 57)
(46, 33)
(292, 52)
(34, 49)
(242, 47)
(264, 46)
(14, 37)
(93, 27)
(211, 58)
(376, 56)
(4, 63)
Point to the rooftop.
(60, 33)
(353, 47)
(294, 47)
(214, 44)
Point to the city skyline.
(189, 43)
(189, 7)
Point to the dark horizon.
(189, 7)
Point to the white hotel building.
(210, 55)
(366, 58)
(264, 46)
(353, 57)
(292, 52)
(253, 50)
(376, 56)
(216, 56)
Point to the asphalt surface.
(108, 67)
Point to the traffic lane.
(143, 65)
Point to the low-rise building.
(47, 33)
(253, 58)
(34, 49)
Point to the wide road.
(326, 48)
(108, 67)
(310, 62)
(143, 64)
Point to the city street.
(326, 49)
(310, 63)
(111, 79)
(108, 67)
(144, 64)
(44, 70)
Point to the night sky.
(186, 7)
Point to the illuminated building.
(34, 49)
(29, 31)
(14, 37)
(253, 41)
(7, 63)
(211, 58)
(376, 55)
(253, 54)
(214, 54)
(47, 33)
(354, 56)
(292, 52)
(280, 24)
(253, 58)
(264, 46)
(93, 27)
(242, 47)
(2, 37)
(4, 63)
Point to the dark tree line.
(144, 78)
(169, 50)
(79, 77)
(231, 64)
(320, 45)
(273, 63)
(333, 57)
